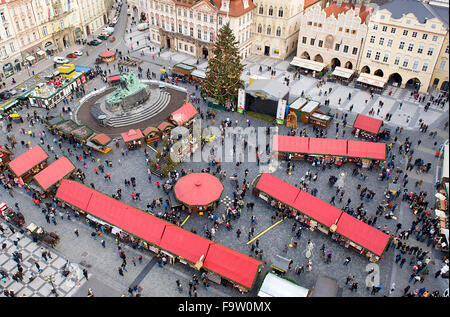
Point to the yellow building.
(439, 79)
(403, 42)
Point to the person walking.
(86, 275)
(120, 271)
(349, 279)
(75, 231)
(347, 260)
(103, 243)
(392, 288)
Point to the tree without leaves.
(223, 76)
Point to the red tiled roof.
(309, 3)
(54, 172)
(236, 7)
(132, 135)
(334, 9)
(101, 139)
(25, 162)
(368, 124)
(184, 114)
(147, 130)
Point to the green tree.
(223, 76)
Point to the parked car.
(13, 92)
(5, 95)
(94, 42)
(60, 60)
(79, 53)
(71, 55)
(103, 36)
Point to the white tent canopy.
(308, 64)
(372, 80)
(275, 286)
(342, 72)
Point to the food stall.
(8, 106)
(100, 142)
(296, 105)
(165, 127)
(307, 110)
(107, 56)
(66, 127)
(198, 75)
(199, 192)
(184, 116)
(5, 157)
(114, 80)
(184, 69)
(280, 264)
(366, 152)
(151, 134)
(133, 139)
(366, 127)
(279, 286)
(50, 176)
(294, 147)
(82, 133)
(320, 120)
(308, 66)
(29, 163)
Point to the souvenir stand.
(307, 110)
(164, 128)
(66, 127)
(82, 133)
(295, 106)
(8, 106)
(183, 69)
(50, 176)
(133, 139)
(5, 157)
(331, 151)
(29, 163)
(320, 120)
(295, 148)
(184, 116)
(198, 75)
(107, 56)
(367, 127)
(199, 192)
(100, 142)
(151, 134)
(114, 80)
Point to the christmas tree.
(223, 76)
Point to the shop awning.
(40, 53)
(276, 286)
(198, 189)
(372, 80)
(30, 58)
(82, 69)
(342, 72)
(199, 73)
(316, 209)
(106, 54)
(54, 172)
(131, 135)
(232, 265)
(114, 78)
(362, 234)
(367, 150)
(184, 244)
(368, 124)
(334, 147)
(184, 114)
(290, 144)
(277, 188)
(25, 162)
(308, 64)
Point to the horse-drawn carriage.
(39, 234)
(11, 216)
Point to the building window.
(401, 46)
(278, 31)
(355, 51)
(377, 56)
(312, 41)
(185, 47)
(205, 35)
(309, 23)
(434, 38)
(442, 65)
(259, 28)
(414, 34)
(269, 30)
(211, 19)
(211, 37)
(446, 50)
(191, 31)
(424, 36)
(425, 67)
(372, 39)
(353, 31)
(430, 51)
(420, 49)
(185, 13)
(180, 46)
(320, 43)
(180, 28)
(304, 39)
(199, 16)
(347, 30)
(191, 48)
(280, 12)
(270, 11)
(405, 62)
(340, 29)
(375, 26)
(410, 47)
(369, 53)
(191, 14)
(393, 30)
(405, 32)
(415, 65)
(390, 42)
(205, 17)
(386, 58)
(384, 29)
(381, 41)
(345, 50)
(397, 60)
(220, 21)
(199, 34)
(337, 46)
(261, 10)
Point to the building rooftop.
(334, 9)
(422, 11)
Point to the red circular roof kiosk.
(198, 191)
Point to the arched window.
(261, 10)
(259, 28)
(270, 11)
(269, 30)
(278, 31)
(280, 12)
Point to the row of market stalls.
(32, 166)
(337, 150)
(69, 128)
(188, 71)
(442, 198)
(222, 265)
(307, 111)
(317, 214)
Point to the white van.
(108, 30)
(142, 26)
(129, 11)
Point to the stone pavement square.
(25, 292)
(16, 287)
(59, 263)
(59, 278)
(45, 290)
(3, 258)
(9, 265)
(67, 286)
(48, 271)
(36, 283)
(7, 282)
(428, 117)
(24, 242)
(31, 247)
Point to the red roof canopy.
(74, 194)
(185, 244)
(198, 189)
(54, 172)
(131, 135)
(370, 150)
(184, 114)
(316, 208)
(336, 147)
(362, 234)
(233, 265)
(292, 144)
(164, 125)
(107, 54)
(367, 123)
(101, 139)
(23, 163)
(147, 130)
(277, 188)
(114, 77)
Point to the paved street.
(102, 263)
